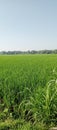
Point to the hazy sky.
(28, 24)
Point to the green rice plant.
(26, 89)
(51, 101)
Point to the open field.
(28, 92)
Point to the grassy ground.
(28, 92)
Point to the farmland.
(28, 92)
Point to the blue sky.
(28, 24)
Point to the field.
(28, 92)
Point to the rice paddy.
(28, 92)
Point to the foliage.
(28, 92)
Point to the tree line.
(29, 52)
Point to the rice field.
(28, 92)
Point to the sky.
(28, 24)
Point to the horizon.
(27, 50)
(28, 25)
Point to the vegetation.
(28, 92)
(29, 52)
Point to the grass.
(28, 92)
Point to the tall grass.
(28, 90)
